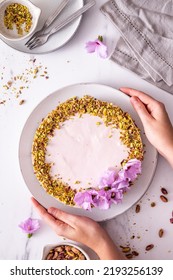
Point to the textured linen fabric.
(146, 43)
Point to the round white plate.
(104, 93)
(60, 38)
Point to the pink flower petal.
(91, 46)
(108, 178)
(30, 225)
(84, 199)
(101, 50)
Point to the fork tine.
(30, 40)
(33, 44)
(32, 47)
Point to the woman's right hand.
(81, 229)
(156, 122)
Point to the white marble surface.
(69, 65)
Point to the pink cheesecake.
(81, 141)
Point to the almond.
(163, 198)
(138, 208)
(134, 253)
(161, 232)
(164, 191)
(149, 247)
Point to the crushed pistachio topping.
(77, 182)
(110, 114)
(18, 15)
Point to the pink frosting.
(82, 150)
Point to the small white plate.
(60, 38)
(104, 93)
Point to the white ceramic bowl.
(12, 35)
(49, 247)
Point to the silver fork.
(49, 21)
(42, 39)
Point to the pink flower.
(108, 178)
(102, 200)
(98, 47)
(30, 226)
(116, 195)
(121, 184)
(84, 199)
(132, 168)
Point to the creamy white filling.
(83, 149)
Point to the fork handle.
(72, 17)
(53, 16)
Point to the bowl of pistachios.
(18, 19)
(64, 251)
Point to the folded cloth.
(146, 43)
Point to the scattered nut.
(164, 191)
(126, 249)
(161, 232)
(20, 82)
(153, 204)
(21, 102)
(129, 256)
(138, 208)
(2, 102)
(129, 252)
(163, 198)
(149, 247)
(134, 253)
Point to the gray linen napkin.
(146, 43)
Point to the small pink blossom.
(30, 226)
(102, 199)
(98, 47)
(132, 169)
(84, 199)
(116, 195)
(120, 184)
(108, 178)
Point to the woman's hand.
(156, 122)
(80, 229)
